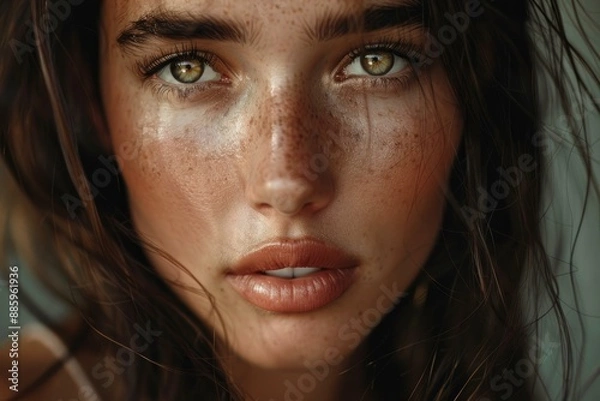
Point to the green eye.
(187, 71)
(377, 63)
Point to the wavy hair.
(445, 343)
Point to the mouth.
(293, 276)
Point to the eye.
(376, 63)
(188, 71)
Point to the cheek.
(401, 180)
(173, 165)
(176, 185)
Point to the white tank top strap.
(53, 343)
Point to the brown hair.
(469, 324)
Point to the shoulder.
(34, 369)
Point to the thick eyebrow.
(372, 19)
(176, 26)
(163, 24)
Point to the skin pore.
(281, 133)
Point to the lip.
(294, 295)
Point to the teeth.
(304, 271)
(292, 272)
(286, 272)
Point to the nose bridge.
(290, 128)
(281, 173)
(288, 125)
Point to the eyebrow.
(163, 24)
(171, 25)
(372, 19)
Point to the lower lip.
(295, 295)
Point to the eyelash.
(152, 65)
(407, 51)
(149, 66)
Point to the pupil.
(377, 63)
(187, 71)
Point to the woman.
(282, 201)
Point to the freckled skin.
(216, 175)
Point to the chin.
(297, 341)
(291, 356)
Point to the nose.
(287, 173)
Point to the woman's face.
(244, 125)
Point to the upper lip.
(281, 253)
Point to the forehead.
(125, 10)
(121, 12)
